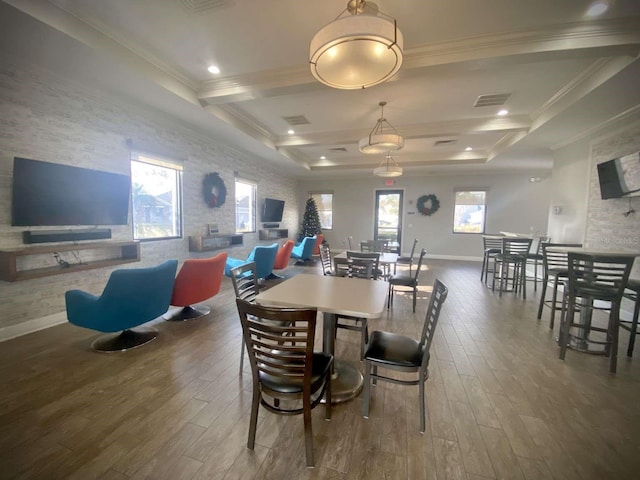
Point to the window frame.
(455, 205)
(324, 192)
(252, 208)
(166, 163)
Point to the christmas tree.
(310, 220)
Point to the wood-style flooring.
(500, 404)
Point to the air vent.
(442, 143)
(492, 100)
(338, 149)
(296, 120)
(199, 6)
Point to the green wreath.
(428, 204)
(214, 190)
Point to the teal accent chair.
(263, 256)
(303, 250)
(131, 297)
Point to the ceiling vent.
(296, 120)
(338, 149)
(442, 143)
(199, 6)
(492, 100)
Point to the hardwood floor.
(500, 404)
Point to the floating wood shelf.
(273, 233)
(125, 252)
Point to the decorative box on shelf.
(204, 243)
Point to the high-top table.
(332, 296)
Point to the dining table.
(385, 260)
(332, 296)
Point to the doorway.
(388, 218)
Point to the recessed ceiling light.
(468, 149)
(213, 69)
(598, 8)
(290, 132)
(503, 112)
(323, 157)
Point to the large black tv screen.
(620, 176)
(272, 210)
(51, 194)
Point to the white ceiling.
(567, 74)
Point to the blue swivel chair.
(131, 297)
(263, 256)
(303, 250)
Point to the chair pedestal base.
(274, 276)
(306, 263)
(187, 313)
(125, 340)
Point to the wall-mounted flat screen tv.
(272, 210)
(620, 176)
(51, 194)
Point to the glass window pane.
(245, 207)
(469, 212)
(155, 193)
(324, 202)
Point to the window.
(324, 202)
(245, 206)
(470, 211)
(156, 198)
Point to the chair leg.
(484, 266)
(614, 328)
(634, 327)
(554, 302)
(415, 297)
(367, 389)
(542, 295)
(535, 275)
(253, 423)
(327, 399)
(364, 337)
(502, 278)
(566, 319)
(241, 356)
(389, 297)
(422, 409)
(308, 431)
(523, 280)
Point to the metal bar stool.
(632, 293)
(535, 259)
(593, 277)
(513, 256)
(492, 245)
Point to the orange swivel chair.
(282, 258)
(197, 280)
(319, 239)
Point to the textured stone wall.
(49, 118)
(607, 227)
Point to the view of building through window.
(245, 206)
(155, 195)
(470, 212)
(324, 202)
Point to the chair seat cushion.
(488, 251)
(393, 349)
(534, 256)
(404, 260)
(321, 363)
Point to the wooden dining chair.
(396, 352)
(373, 257)
(325, 259)
(285, 370)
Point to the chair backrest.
(438, 297)
(413, 247)
(198, 279)
(287, 362)
(423, 252)
(283, 255)
(325, 259)
(541, 241)
(597, 273)
(516, 245)
(362, 268)
(319, 240)
(373, 246)
(304, 249)
(245, 281)
(341, 267)
(492, 241)
(350, 242)
(373, 257)
(264, 257)
(554, 257)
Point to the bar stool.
(594, 277)
(555, 261)
(535, 259)
(632, 293)
(492, 245)
(513, 256)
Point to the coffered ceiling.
(564, 74)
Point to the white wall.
(513, 204)
(48, 118)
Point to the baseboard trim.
(30, 326)
(454, 257)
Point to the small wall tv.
(51, 194)
(620, 176)
(272, 210)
